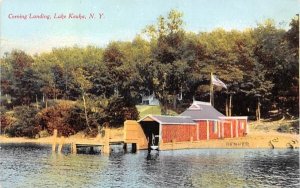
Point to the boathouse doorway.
(151, 131)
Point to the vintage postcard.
(149, 93)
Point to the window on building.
(146, 102)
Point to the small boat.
(153, 146)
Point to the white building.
(150, 100)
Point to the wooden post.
(54, 140)
(258, 110)
(59, 147)
(223, 129)
(106, 148)
(62, 139)
(134, 147)
(191, 139)
(125, 147)
(53, 146)
(211, 90)
(74, 148)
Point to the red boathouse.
(201, 121)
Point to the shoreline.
(254, 140)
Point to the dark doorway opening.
(151, 131)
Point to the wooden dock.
(130, 136)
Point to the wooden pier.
(130, 136)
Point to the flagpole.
(211, 90)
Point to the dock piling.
(125, 147)
(106, 148)
(74, 148)
(62, 140)
(134, 147)
(54, 140)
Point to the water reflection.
(36, 166)
(152, 155)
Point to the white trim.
(166, 123)
(158, 121)
(222, 129)
(195, 107)
(160, 134)
(225, 121)
(143, 118)
(201, 102)
(206, 119)
(150, 116)
(170, 116)
(155, 119)
(234, 117)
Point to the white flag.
(217, 82)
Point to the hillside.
(153, 110)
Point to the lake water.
(36, 166)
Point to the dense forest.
(83, 88)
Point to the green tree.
(113, 57)
(25, 124)
(119, 109)
(22, 81)
(167, 39)
(80, 76)
(273, 52)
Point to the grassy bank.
(282, 126)
(153, 110)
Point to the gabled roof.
(202, 110)
(169, 119)
(197, 111)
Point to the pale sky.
(123, 19)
